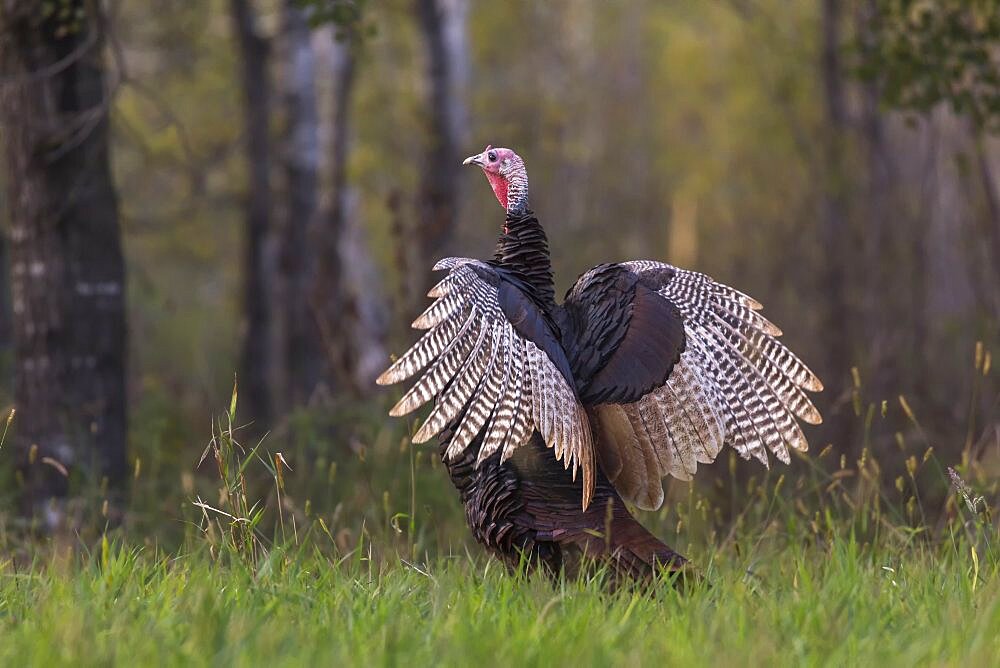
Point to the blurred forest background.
(260, 187)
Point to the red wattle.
(499, 185)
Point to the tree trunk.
(67, 270)
(347, 295)
(300, 156)
(443, 23)
(881, 273)
(260, 368)
(835, 232)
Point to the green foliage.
(67, 16)
(234, 528)
(347, 16)
(926, 52)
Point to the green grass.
(838, 604)
(361, 557)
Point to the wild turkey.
(645, 370)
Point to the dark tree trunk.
(300, 157)
(347, 297)
(835, 232)
(329, 291)
(258, 372)
(68, 275)
(880, 239)
(442, 23)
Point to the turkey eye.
(492, 156)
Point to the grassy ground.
(316, 557)
(836, 604)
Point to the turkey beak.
(474, 160)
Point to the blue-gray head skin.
(505, 171)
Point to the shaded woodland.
(259, 188)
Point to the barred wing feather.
(735, 384)
(486, 378)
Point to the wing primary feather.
(493, 436)
(438, 374)
(481, 407)
(422, 353)
(455, 396)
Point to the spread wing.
(495, 368)
(728, 379)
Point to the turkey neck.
(524, 249)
